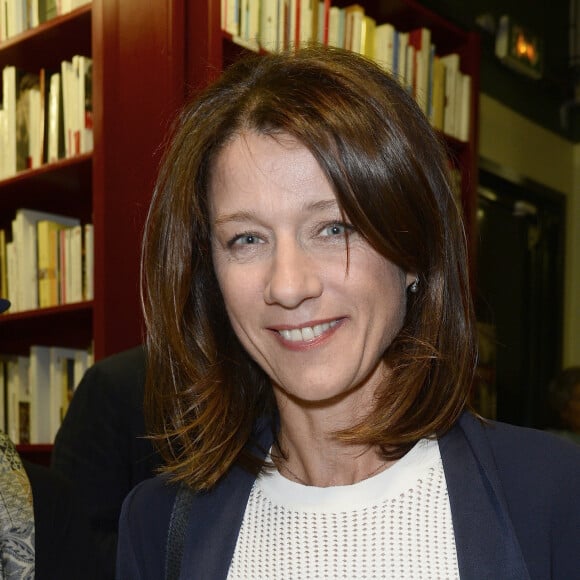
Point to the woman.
(311, 349)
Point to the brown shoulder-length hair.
(389, 171)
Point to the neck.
(310, 453)
(320, 459)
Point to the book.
(11, 76)
(451, 62)
(28, 122)
(39, 381)
(88, 262)
(55, 125)
(33, 13)
(282, 34)
(250, 23)
(64, 265)
(438, 94)
(83, 66)
(230, 15)
(17, 398)
(3, 265)
(384, 46)
(62, 384)
(47, 252)
(13, 18)
(47, 9)
(4, 166)
(464, 115)
(11, 276)
(323, 22)
(269, 25)
(82, 362)
(293, 24)
(420, 40)
(306, 31)
(410, 70)
(24, 236)
(369, 26)
(75, 265)
(24, 419)
(353, 27)
(402, 43)
(69, 81)
(336, 27)
(3, 395)
(12, 398)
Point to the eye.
(247, 239)
(336, 229)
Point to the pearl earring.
(414, 287)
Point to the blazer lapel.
(216, 518)
(487, 546)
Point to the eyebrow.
(246, 216)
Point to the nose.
(294, 277)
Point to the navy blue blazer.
(514, 495)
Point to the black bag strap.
(176, 532)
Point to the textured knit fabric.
(16, 516)
(396, 525)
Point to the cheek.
(240, 291)
(388, 292)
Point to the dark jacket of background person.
(487, 469)
(62, 543)
(101, 449)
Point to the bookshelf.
(137, 50)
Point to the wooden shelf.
(69, 325)
(39, 454)
(62, 187)
(45, 42)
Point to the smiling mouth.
(307, 332)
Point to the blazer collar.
(217, 517)
(487, 546)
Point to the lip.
(300, 345)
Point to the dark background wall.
(548, 101)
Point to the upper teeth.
(307, 332)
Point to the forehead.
(275, 171)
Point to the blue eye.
(336, 229)
(244, 240)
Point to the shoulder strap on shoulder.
(176, 532)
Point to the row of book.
(45, 115)
(46, 261)
(16, 16)
(436, 81)
(35, 391)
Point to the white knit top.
(395, 525)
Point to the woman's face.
(317, 324)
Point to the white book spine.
(76, 263)
(54, 119)
(88, 269)
(9, 103)
(12, 395)
(12, 276)
(40, 394)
